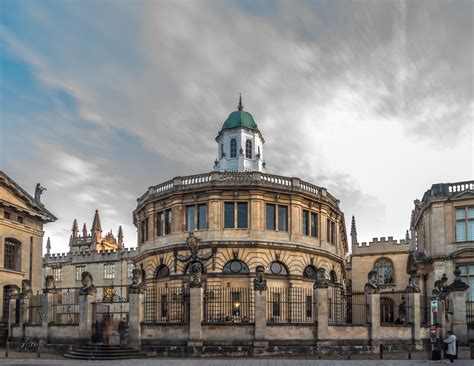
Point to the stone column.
(459, 323)
(195, 319)
(414, 317)
(322, 313)
(260, 342)
(135, 319)
(24, 313)
(12, 316)
(85, 316)
(47, 314)
(374, 318)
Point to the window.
(160, 218)
(235, 266)
(57, 274)
(277, 268)
(144, 230)
(168, 221)
(467, 276)
(248, 149)
(109, 271)
(384, 269)
(242, 215)
(163, 222)
(333, 276)
(331, 231)
(12, 254)
(233, 148)
(130, 268)
(190, 218)
(305, 222)
(309, 306)
(271, 223)
(222, 151)
(20, 219)
(282, 218)
(202, 214)
(465, 224)
(162, 271)
(235, 303)
(230, 213)
(164, 306)
(314, 224)
(79, 270)
(7, 215)
(276, 308)
(310, 272)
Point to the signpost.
(435, 354)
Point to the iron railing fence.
(290, 305)
(394, 308)
(65, 306)
(228, 304)
(347, 306)
(470, 314)
(35, 310)
(425, 316)
(166, 304)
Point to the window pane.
(229, 215)
(190, 218)
(282, 218)
(314, 224)
(270, 217)
(470, 230)
(159, 223)
(233, 148)
(305, 223)
(242, 222)
(461, 231)
(460, 213)
(168, 219)
(248, 149)
(202, 217)
(470, 212)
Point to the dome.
(240, 118)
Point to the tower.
(96, 231)
(239, 143)
(120, 236)
(75, 229)
(48, 247)
(353, 232)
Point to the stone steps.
(92, 351)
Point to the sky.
(101, 99)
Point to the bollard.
(381, 351)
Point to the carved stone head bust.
(88, 287)
(49, 285)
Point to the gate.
(107, 314)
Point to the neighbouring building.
(21, 238)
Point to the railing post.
(260, 342)
(135, 318)
(85, 316)
(195, 320)
(24, 313)
(322, 313)
(459, 324)
(415, 317)
(14, 310)
(374, 318)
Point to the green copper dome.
(240, 118)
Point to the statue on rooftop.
(38, 192)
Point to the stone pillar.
(47, 314)
(195, 318)
(322, 313)
(459, 322)
(24, 313)
(414, 317)
(12, 316)
(85, 316)
(260, 342)
(374, 318)
(135, 318)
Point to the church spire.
(84, 231)
(240, 106)
(96, 226)
(48, 247)
(120, 236)
(353, 232)
(75, 229)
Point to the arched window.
(277, 268)
(248, 149)
(310, 272)
(236, 266)
(162, 271)
(333, 276)
(12, 254)
(384, 269)
(233, 148)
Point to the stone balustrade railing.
(238, 178)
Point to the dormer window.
(248, 149)
(233, 148)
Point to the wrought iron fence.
(394, 308)
(347, 306)
(166, 304)
(290, 305)
(470, 314)
(228, 304)
(65, 306)
(35, 310)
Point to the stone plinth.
(374, 319)
(260, 343)
(195, 317)
(85, 317)
(322, 312)
(414, 317)
(135, 318)
(459, 324)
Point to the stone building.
(21, 236)
(443, 224)
(104, 256)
